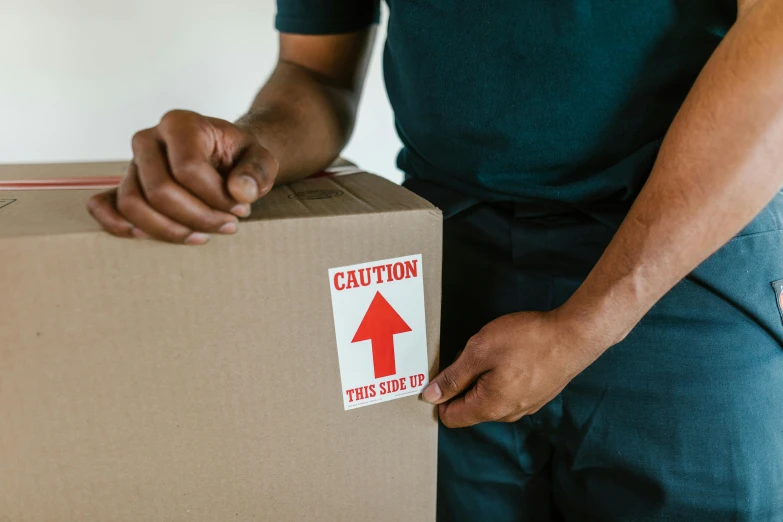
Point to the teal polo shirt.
(554, 102)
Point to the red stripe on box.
(107, 182)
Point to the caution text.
(375, 274)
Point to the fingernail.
(248, 186)
(242, 210)
(431, 393)
(196, 238)
(228, 228)
(139, 233)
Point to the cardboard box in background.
(142, 381)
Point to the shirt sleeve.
(326, 16)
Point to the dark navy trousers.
(683, 420)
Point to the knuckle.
(173, 236)
(262, 164)
(269, 163)
(492, 406)
(141, 140)
(159, 196)
(186, 170)
(99, 213)
(478, 346)
(450, 381)
(494, 411)
(94, 203)
(127, 206)
(117, 229)
(207, 222)
(512, 418)
(447, 421)
(498, 412)
(478, 340)
(481, 395)
(173, 117)
(264, 155)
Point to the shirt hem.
(320, 26)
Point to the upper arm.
(330, 38)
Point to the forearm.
(304, 123)
(306, 111)
(720, 164)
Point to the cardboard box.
(141, 381)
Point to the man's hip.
(680, 421)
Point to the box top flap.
(30, 171)
(58, 211)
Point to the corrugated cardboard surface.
(61, 170)
(52, 212)
(144, 381)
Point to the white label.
(380, 328)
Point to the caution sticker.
(380, 328)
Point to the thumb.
(453, 380)
(253, 174)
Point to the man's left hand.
(511, 368)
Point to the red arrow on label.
(380, 324)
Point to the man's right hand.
(190, 176)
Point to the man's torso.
(547, 102)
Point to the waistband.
(451, 203)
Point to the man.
(620, 355)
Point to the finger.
(167, 196)
(254, 174)
(102, 207)
(134, 208)
(455, 379)
(465, 411)
(187, 147)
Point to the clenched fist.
(190, 176)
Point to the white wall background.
(79, 77)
